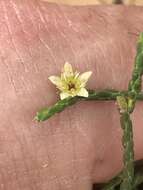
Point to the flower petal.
(76, 74)
(55, 80)
(63, 95)
(68, 71)
(84, 78)
(83, 92)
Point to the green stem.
(127, 140)
(111, 185)
(134, 88)
(115, 182)
(107, 95)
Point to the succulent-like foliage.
(130, 177)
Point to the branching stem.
(126, 103)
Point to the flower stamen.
(71, 86)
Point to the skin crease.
(81, 145)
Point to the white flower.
(71, 83)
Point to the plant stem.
(127, 140)
(107, 95)
(134, 88)
(115, 182)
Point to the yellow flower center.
(71, 86)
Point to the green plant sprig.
(127, 105)
(126, 100)
(106, 95)
(127, 140)
(115, 182)
(134, 86)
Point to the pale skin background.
(81, 145)
(80, 2)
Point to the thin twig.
(106, 95)
(134, 88)
(127, 139)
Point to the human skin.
(80, 2)
(81, 145)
